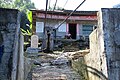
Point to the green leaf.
(29, 33)
(29, 16)
(23, 30)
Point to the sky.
(89, 5)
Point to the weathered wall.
(10, 30)
(95, 60)
(8, 25)
(111, 29)
(105, 46)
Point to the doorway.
(72, 30)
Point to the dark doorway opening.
(72, 30)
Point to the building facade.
(80, 23)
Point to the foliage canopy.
(116, 6)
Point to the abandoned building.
(79, 24)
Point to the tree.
(116, 6)
(26, 22)
(23, 5)
(56, 8)
(6, 3)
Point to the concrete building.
(80, 23)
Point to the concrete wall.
(20, 73)
(105, 47)
(10, 30)
(8, 25)
(111, 29)
(95, 60)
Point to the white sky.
(89, 5)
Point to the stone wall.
(10, 31)
(103, 61)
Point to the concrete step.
(54, 73)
